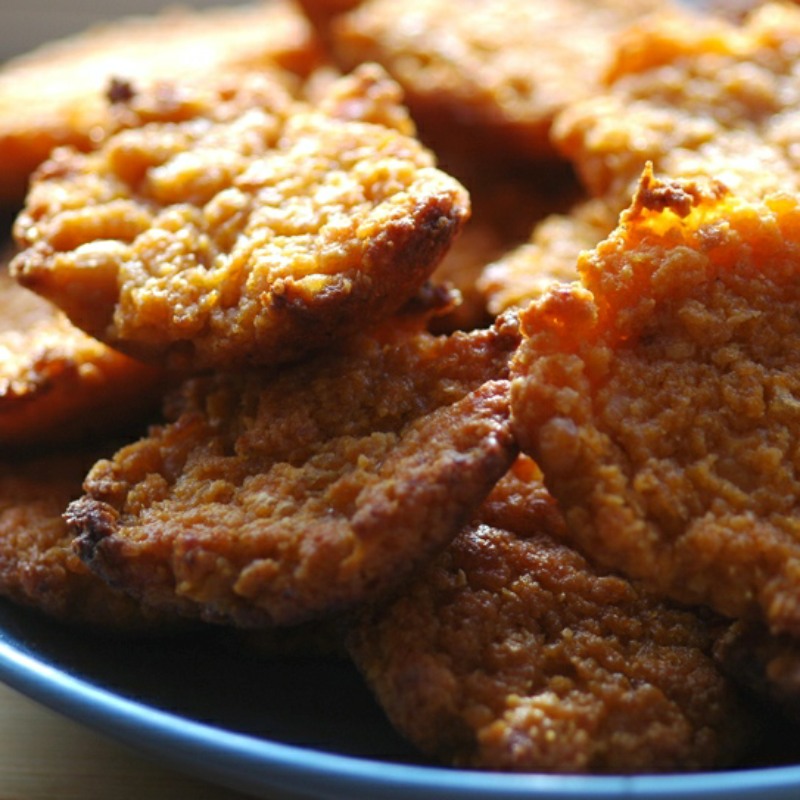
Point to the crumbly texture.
(250, 238)
(488, 75)
(56, 95)
(38, 567)
(550, 255)
(520, 502)
(699, 99)
(279, 498)
(660, 399)
(511, 653)
(59, 385)
(769, 666)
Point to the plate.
(306, 725)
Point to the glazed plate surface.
(307, 726)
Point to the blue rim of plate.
(256, 766)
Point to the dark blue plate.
(258, 725)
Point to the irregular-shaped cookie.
(38, 567)
(56, 383)
(510, 652)
(278, 498)
(487, 76)
(705, 100)
(661, 398)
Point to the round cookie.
(244, 234)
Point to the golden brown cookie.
(252, 239)
(275, 498)
(487, 76)
(660, 399)
(56, 383)
(56, 95)
(704, 100)
(510, 652)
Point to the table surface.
(44, 755)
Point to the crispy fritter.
(551, 254)
(247, 240)
(767, 665)
(38, 567)
(56, 94)
(278, 498)
(510, 652)
(56, 383)
(703, 100)
(488, 75)
(661, 399)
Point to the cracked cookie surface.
(244, 237)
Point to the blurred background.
(24, 24)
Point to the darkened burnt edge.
(678, 196)
(92, 521)
(420, 242)
(481, 460)
(398, 260)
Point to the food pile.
(463, 336)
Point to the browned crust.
(511, 653)
(275, 499)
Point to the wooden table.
(45, 756)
